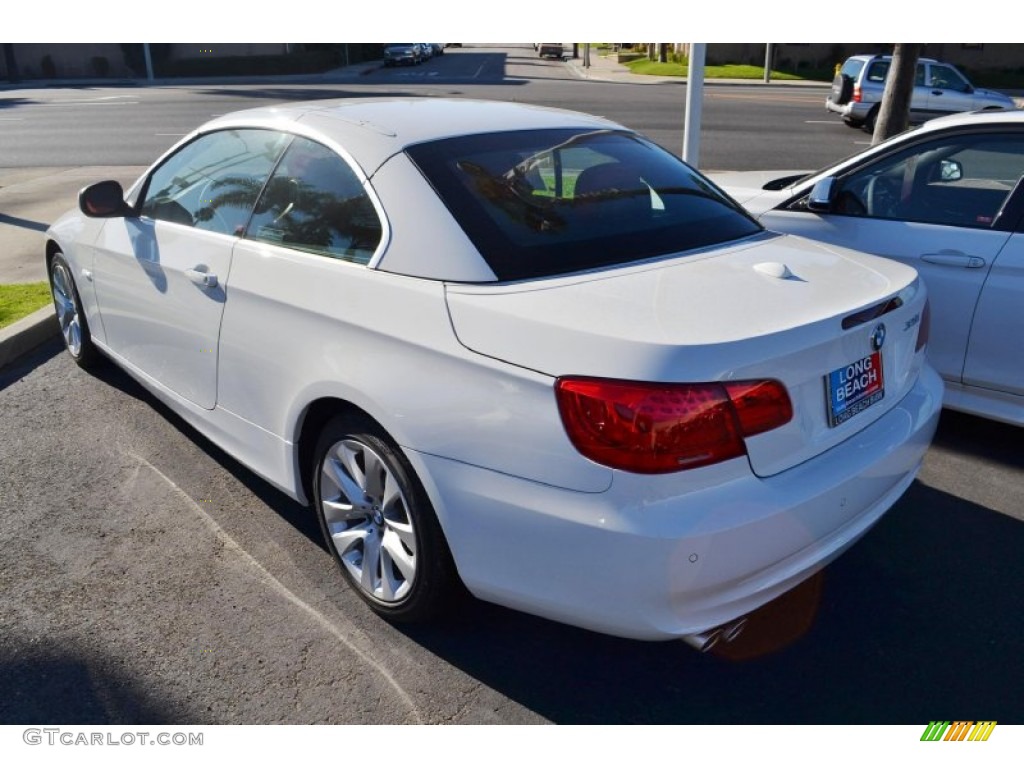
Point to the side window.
(919, 75)
(212, 183)
(948, 78)
(877, 71)
(958, 181)
(315, 202)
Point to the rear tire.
(379, 524)
(74, 327)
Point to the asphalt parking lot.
(149, 578)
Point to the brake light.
(856, 94)
(924, 329)
(654, 428)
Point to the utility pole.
(694, 99)
(894, 111)
(767, 62)
(149, 62)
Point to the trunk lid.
(771, 307)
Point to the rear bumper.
(851, 110)
(658, 558)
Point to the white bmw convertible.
(519, 348)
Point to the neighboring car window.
(315, 202)
(877, 71)
(958, 181)
(947, 78)
(212, 183)
(547, 202)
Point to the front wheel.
(73, 325)
(379, 524)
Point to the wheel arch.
(52, 249)
(312, 420)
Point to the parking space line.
(271, 581)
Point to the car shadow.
(14, 221)
(918, 621)
(72, 685)
(289, 510)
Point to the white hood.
(748, 187)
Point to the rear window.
(548, 202)
(852, 68)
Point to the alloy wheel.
(367, 517)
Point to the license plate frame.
(853, 388)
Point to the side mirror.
(103, 200)
(820, 198)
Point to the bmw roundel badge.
(878, 337)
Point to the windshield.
(548, 202)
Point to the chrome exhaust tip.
(703, 641)
(726, 633)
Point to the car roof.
(983, 117)
(888, 57)
(372, 130)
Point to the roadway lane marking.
(271, 581)
(85, 103)
(787, 98)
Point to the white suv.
(939, 89)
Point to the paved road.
(745, 128)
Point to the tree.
(11, 63)
(894, 111)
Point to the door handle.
(937, 93)
(954, 259)
(201, 277)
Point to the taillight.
(656, 428)
(924, 329)
(856, 93)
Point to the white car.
(519, 347)
(947, 199)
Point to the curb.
(26, 334)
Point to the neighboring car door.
(161, 276)
(948, 91)
(935, 206)
(995, 352)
